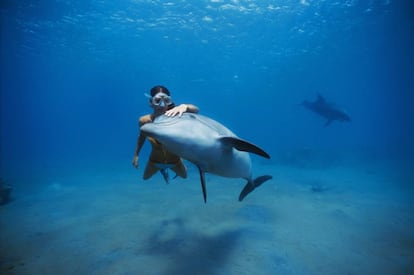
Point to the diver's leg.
(180, 169)
(150, 170)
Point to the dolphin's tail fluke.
(251, 185)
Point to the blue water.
(73, 76)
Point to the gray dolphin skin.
(209, 145)
(327, 110)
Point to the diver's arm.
(140, 140)
(182, 108)
(191, 108)
(140, 143)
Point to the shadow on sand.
(189, 252)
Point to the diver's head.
(160, 98)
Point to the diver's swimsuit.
(161, 156)
(161, 159)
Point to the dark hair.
(159, 89)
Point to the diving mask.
(160, 99)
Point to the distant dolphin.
(327, 110)
(209, 145)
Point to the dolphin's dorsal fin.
(320, 99)
(243, 145)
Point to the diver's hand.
(180, 109)
(135, 162)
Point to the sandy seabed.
(350, 219)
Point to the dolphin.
(209, 145)
(327, 110)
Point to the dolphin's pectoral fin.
(251, 185)
(203, 184)
(328, 122)
(243, 145)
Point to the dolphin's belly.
(212, 157)
(227, 163)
